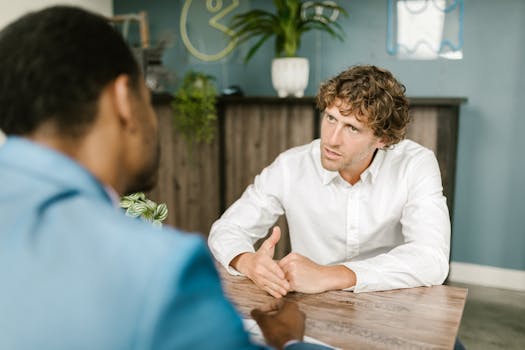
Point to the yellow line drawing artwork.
(211, 6)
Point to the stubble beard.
(147, 179)
(342, 163)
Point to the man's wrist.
(339, 277)
(239, 261)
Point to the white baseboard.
(488, 276)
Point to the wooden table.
(415, 318)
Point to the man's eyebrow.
(327, 114)
(352, 124)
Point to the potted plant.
(194, 109)
(290, 21)
(137, 205)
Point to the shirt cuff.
(290, 343)
(367, 278)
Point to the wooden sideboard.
(188, 179)
(251, 132)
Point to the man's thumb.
(270, 242)
(261, 318)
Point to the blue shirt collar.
(49, 164)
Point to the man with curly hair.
(365, 207)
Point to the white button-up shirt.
(391, 228)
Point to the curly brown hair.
(373, 96)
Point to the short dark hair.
(54, 64)
(374, 96)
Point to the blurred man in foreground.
(76, 273)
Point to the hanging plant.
(194, 110)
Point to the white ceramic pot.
(290, 76)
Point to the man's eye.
(330, 118)
(352, 129)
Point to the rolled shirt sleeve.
(249, 218)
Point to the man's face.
(347, 145)
(146, 153)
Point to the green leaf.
(256, 47)
(286, 25)
(137, 205)
(194, 108)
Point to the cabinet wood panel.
(188, 179)
(254, 135)
(436, 127)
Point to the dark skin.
(280, 321)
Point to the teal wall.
(489, 227)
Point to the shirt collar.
(50, 165)
(328, 176)
(372, 171)
(113, 195)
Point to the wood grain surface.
(414, 318)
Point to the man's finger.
(276, 235)
(274, 305)
(270, 243)
(274, 293)
(290, 258)
(282, 283)
(275, 289)
(274, 269)
(283, 264)
(285, 260)
(259, 316)
(290, 307)
(276, 275)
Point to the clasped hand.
(292, 273)
(280, 321)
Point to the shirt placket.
(352, 223)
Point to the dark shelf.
(165, 97)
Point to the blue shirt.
(76, 273)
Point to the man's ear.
(381, 144)
(123, 96)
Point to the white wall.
(12, 9)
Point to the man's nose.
(335, 136)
